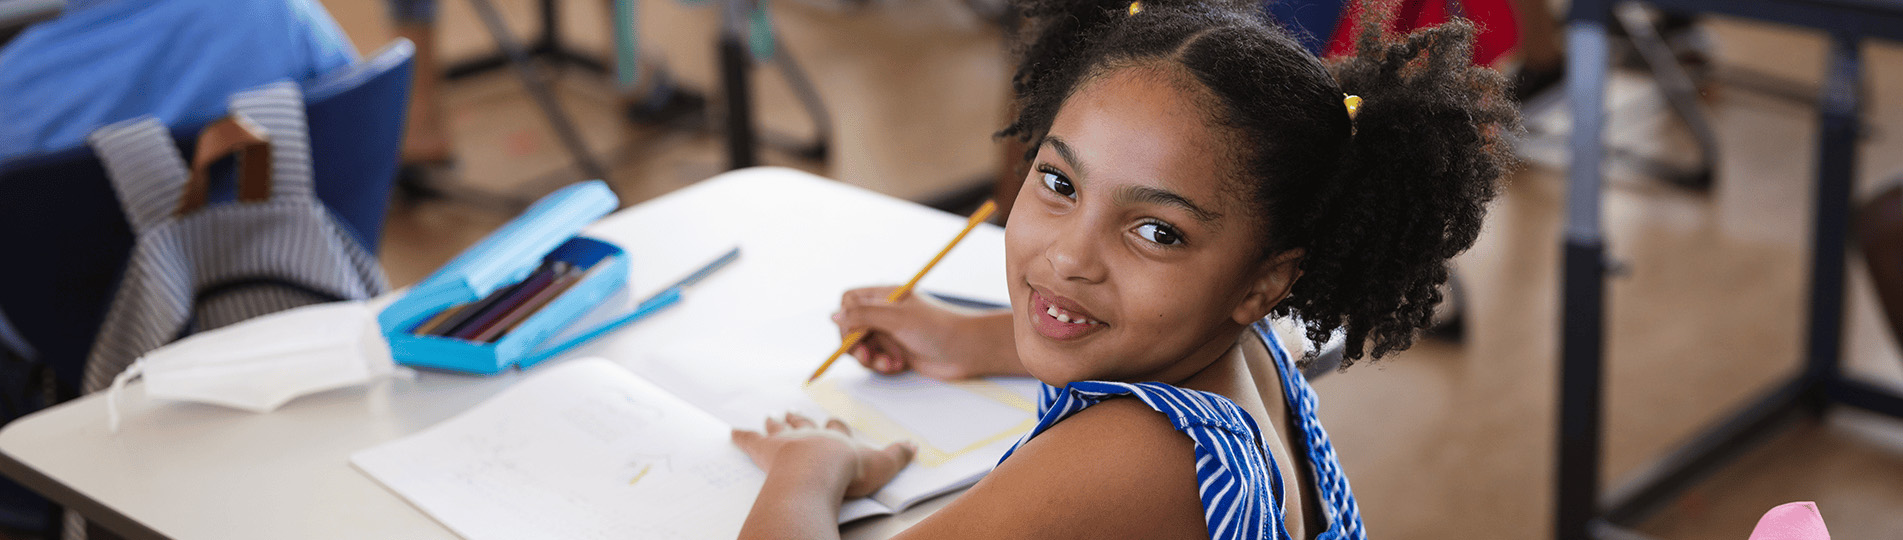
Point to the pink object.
(1791, 521)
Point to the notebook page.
(961, 428)
(583, 449)
(948, 417)
(861, 508)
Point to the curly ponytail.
(1377, 204)
(1414, 180)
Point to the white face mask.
(261, 363)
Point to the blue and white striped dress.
(1241, 486)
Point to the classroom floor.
(1443, 441)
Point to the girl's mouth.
(1058, 323)
(1065, 316)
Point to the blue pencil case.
(545, 233)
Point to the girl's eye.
(1059, 184)
(1159, 233)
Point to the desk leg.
(1583, 279)
(735, 62)
(551, 39)
(1836, 173)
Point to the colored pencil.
(429, 325)
(472, 309)
(534, 285)
(568, 278)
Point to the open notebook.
(588, 449)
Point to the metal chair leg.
(735, 63)
(809, 99)
(544, 98)
(1679, 90)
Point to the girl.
(1193, 171)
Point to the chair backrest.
(66, 240)
(1310, 22)
(356, 122)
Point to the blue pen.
(654, 304)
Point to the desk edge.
(67, 497)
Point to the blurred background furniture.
(746, 38)
(1583, 511)
(518, 57)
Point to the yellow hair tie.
(1353, 103)
(1136, 7)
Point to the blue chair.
(356, 123)
(66, 240)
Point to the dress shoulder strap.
(1338, 501)
(1240, 486)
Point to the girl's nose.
(1074, 255)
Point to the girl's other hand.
(828, 455)
(915, 333)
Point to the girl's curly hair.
(1377, 203)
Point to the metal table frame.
(1580, 510)
(735, 62)
(516, 55)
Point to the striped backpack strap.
(148, 175)
(144, 167)
(279, 108)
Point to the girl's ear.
(1271, 284)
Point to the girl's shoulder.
(1112, 471)
(1236, 486)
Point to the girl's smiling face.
(1131, 252)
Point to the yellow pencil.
(983, 213)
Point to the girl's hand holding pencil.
(852, 338)
(920, 333)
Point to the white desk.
(183, 470)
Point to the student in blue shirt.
(1193, 171)
(103, 61)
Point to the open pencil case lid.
(545, 232)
